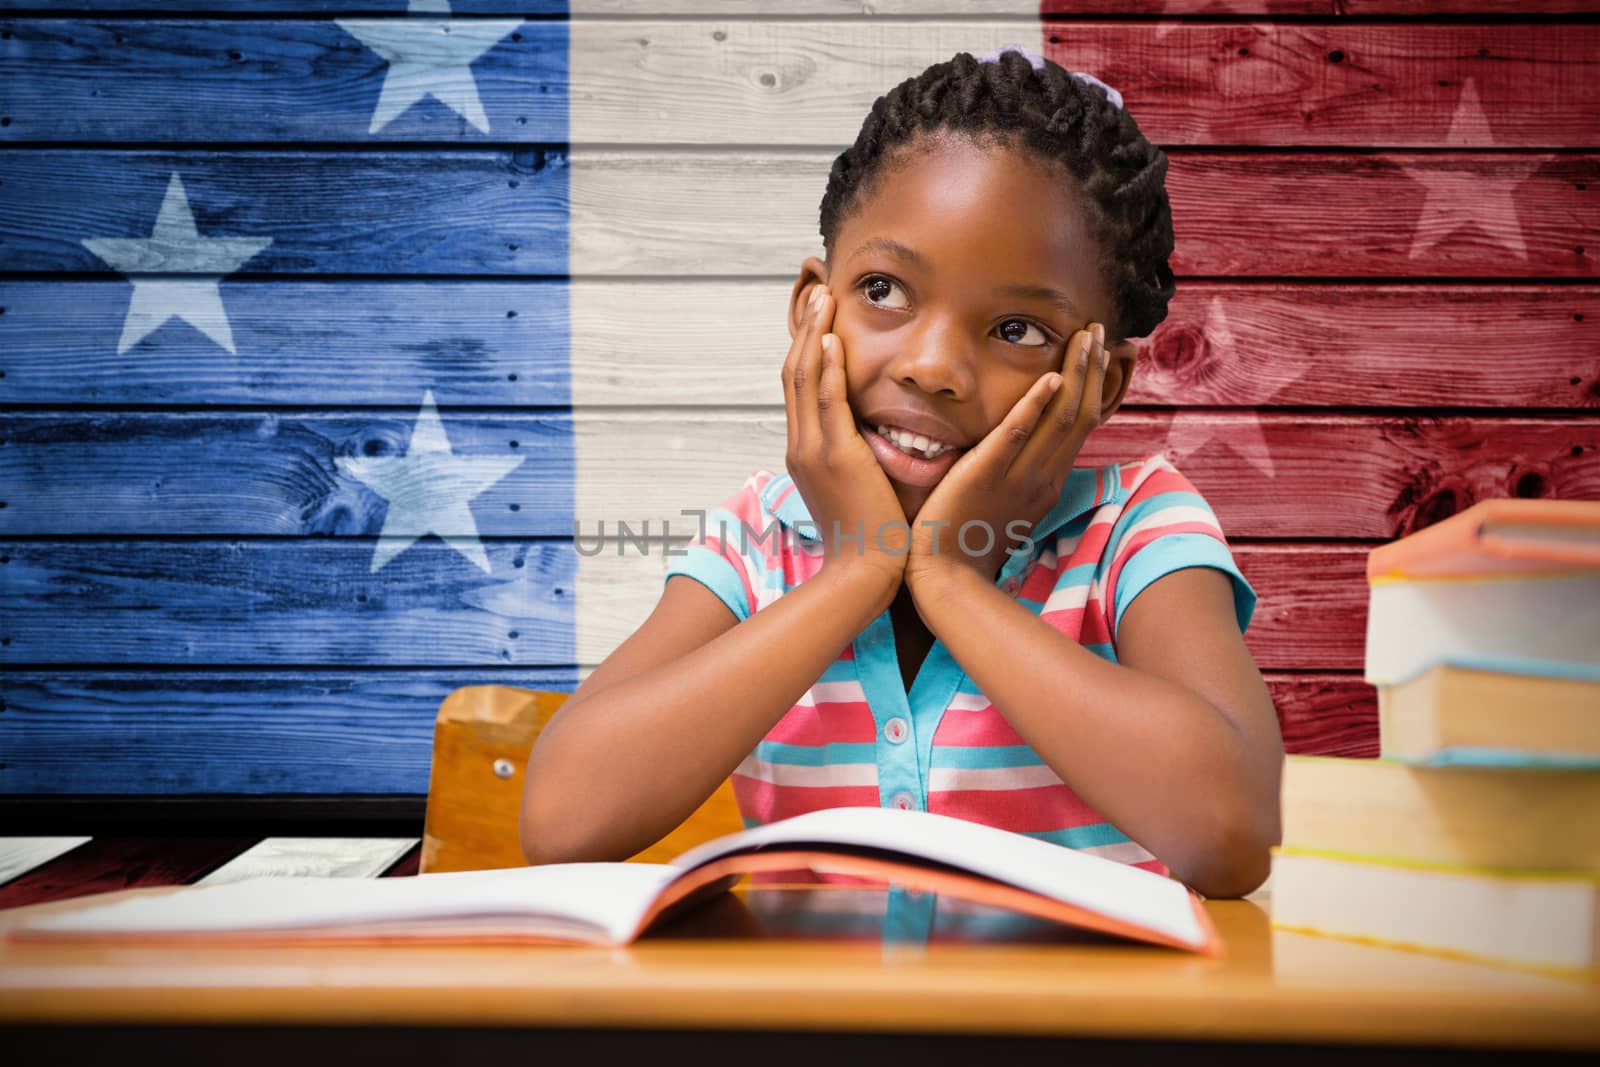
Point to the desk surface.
(830, 958)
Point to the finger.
(1061, 416)
(1087, 415)
(795, 361)
(999, 449)
(833, 393)
(1095, 384)
(796, 343)
(807, 376)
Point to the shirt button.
(904, 801)
(895, 730)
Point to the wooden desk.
(840, 961)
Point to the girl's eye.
(1029, 326)
(879, 284)
(877, 287)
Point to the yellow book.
(1537, 919)
(1474, 713)
(1516, 817)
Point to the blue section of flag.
(296, 459)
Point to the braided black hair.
(1060, 120)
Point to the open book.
(614, 903)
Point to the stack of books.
(1477, 830)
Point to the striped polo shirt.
(857, 737)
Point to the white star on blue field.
(428, 489)
(428, 57)
(176, 247)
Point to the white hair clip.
(1037, 62)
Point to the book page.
(1088, 881)
(607, 898)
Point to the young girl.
(930, 607)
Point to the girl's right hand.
(832, 465)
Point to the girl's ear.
(813, 272)
(1119, 372)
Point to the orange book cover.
(1497, 537)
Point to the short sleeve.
(1166, 525)
(713, 559)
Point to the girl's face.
(939, 279)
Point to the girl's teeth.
(910, 443)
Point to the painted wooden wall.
(321, 323)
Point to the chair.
(481, 740)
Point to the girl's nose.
(937, 359)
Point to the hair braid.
(1057, 118)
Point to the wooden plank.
(706, 342)
(1367, 8)
(1186, 82)
(107, 864)
(798, 83)
(356, 733)
(281, 473)
(254, 815)
(300, 80)
(1396, 214)
(345, 212)
(1352, 346)
(315, 857)
(296, 603)
(148, 463)
(250, 731)
(580, 9)
(753, 211)
(19, 855)
(1326, 714)
(318, 7)
(499, 343)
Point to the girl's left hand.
(1017, 472)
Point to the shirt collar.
(1087, 488)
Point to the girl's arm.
(1177, 745)
(674, 709)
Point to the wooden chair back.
(481, 740)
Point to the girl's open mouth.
(908, 468)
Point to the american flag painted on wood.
(322, 323)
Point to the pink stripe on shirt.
(848, 721)
(768, 802)
(1044, 807)
(975, 729)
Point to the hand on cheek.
(833, 468)
(1006, 483)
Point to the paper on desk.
(609, 897)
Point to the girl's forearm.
(1161, 763)
(612, 773)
